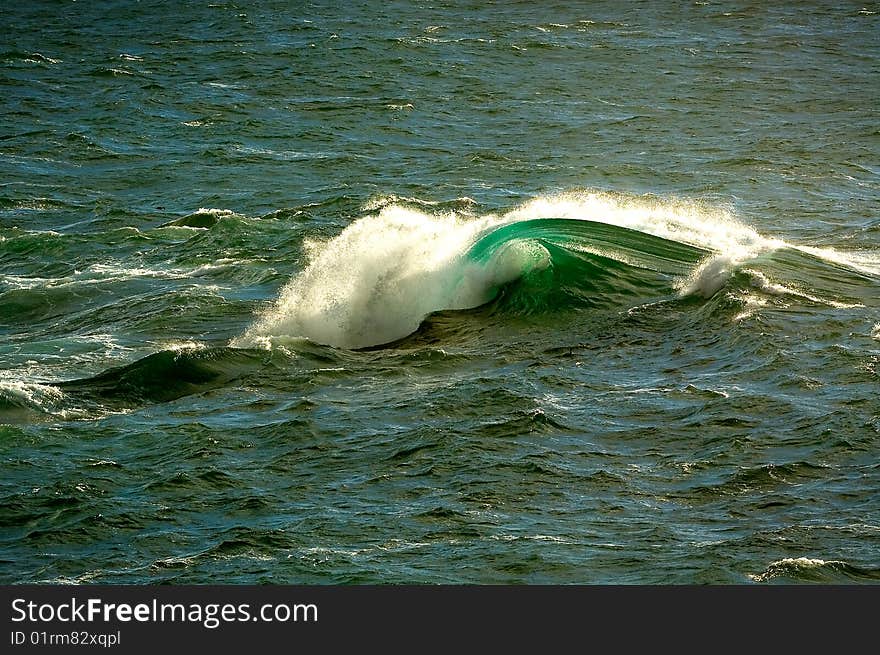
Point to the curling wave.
(377, 280)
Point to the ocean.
(440, 293)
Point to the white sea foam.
(212, 211)
(188, 345)
(377, 280)
(37, 58)
(863, 262)
(23, 281)
(761, 282)
(31, 394)
(712, 274)
(109, 272)
(793, 565)
(41, 398)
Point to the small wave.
(180, 370)
(815, 570)
(203, 218)
(458, 205)
(28, 394)
(760, 281)
(288, 155)
(37, 58)
(22, 401)
(100, 274)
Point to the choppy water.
(445, 293)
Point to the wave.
(19, 401)
(157, 378)
(164, 376)
(803, 570)
(201, 219)
(377, 281)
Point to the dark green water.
(439, 293)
